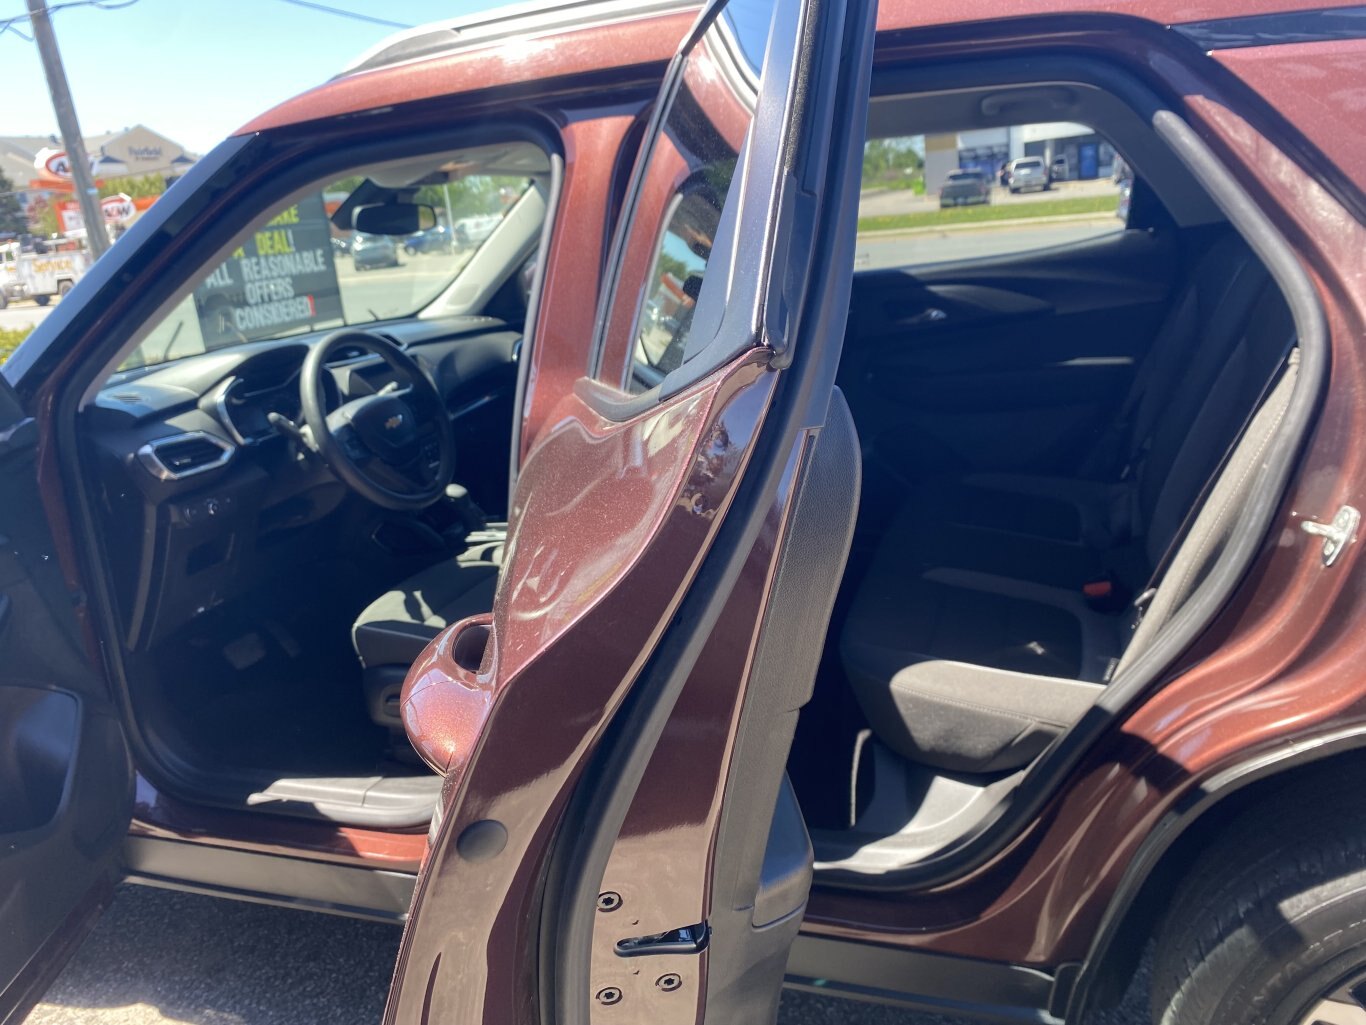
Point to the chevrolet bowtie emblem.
(394, 422)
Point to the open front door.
(616, 841)
(65, 777)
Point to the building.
(35, 164)
(1073, 151)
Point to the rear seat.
(970, 643)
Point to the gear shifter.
(469, 518)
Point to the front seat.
(394, 628)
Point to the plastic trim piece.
(935, 983)
(1322, 26)
(150, 459)
(353, 892)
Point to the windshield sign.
(283, 277)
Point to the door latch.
(1336, 535)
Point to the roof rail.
(536, 16)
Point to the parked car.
(370, 251)
(1028, 173)
(945, 636)
(472, 231)
(964, 188)
(432, 240)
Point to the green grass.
(10, 339)
(991, 212)
(897, 183)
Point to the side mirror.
(394, 219)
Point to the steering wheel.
(394, 447)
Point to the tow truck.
(38, 270)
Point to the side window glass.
(938, 197)
(681, 208)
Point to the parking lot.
(161, 957)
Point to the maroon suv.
(685, 590)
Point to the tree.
(890, 158)
(12, 220)
(134, 186)
(43, 219)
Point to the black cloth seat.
(970, 644)
(396, 626)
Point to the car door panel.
(65, 774)
(1009, 363)
(636, 504)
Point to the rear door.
(65, 775)
(616, 840)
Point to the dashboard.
(203, 497)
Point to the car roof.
(484, 28)
(490, 49)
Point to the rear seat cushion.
(969, 718)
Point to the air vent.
(183, 455)
(349, 354)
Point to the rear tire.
(63, 287)
(1269, 927)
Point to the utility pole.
(70, 128)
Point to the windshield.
(298, 271)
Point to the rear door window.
(1046, 185)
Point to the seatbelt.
(1291, 357)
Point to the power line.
(11, 24)
(325, 9)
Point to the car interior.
(1053, 439)
(271, 600)
(1054, 443)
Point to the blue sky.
(194, 70)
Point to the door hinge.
(1336, 535)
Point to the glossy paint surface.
(610, 522)
(533, 62)
(573, 264)
(1320, 88)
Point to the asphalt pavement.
(160, 957)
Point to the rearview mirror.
(394, 219)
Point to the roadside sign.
(118, 209)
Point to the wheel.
(42, 300)
(63, 287)
(4, 299)
(1269, 928)
(1014, 191)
